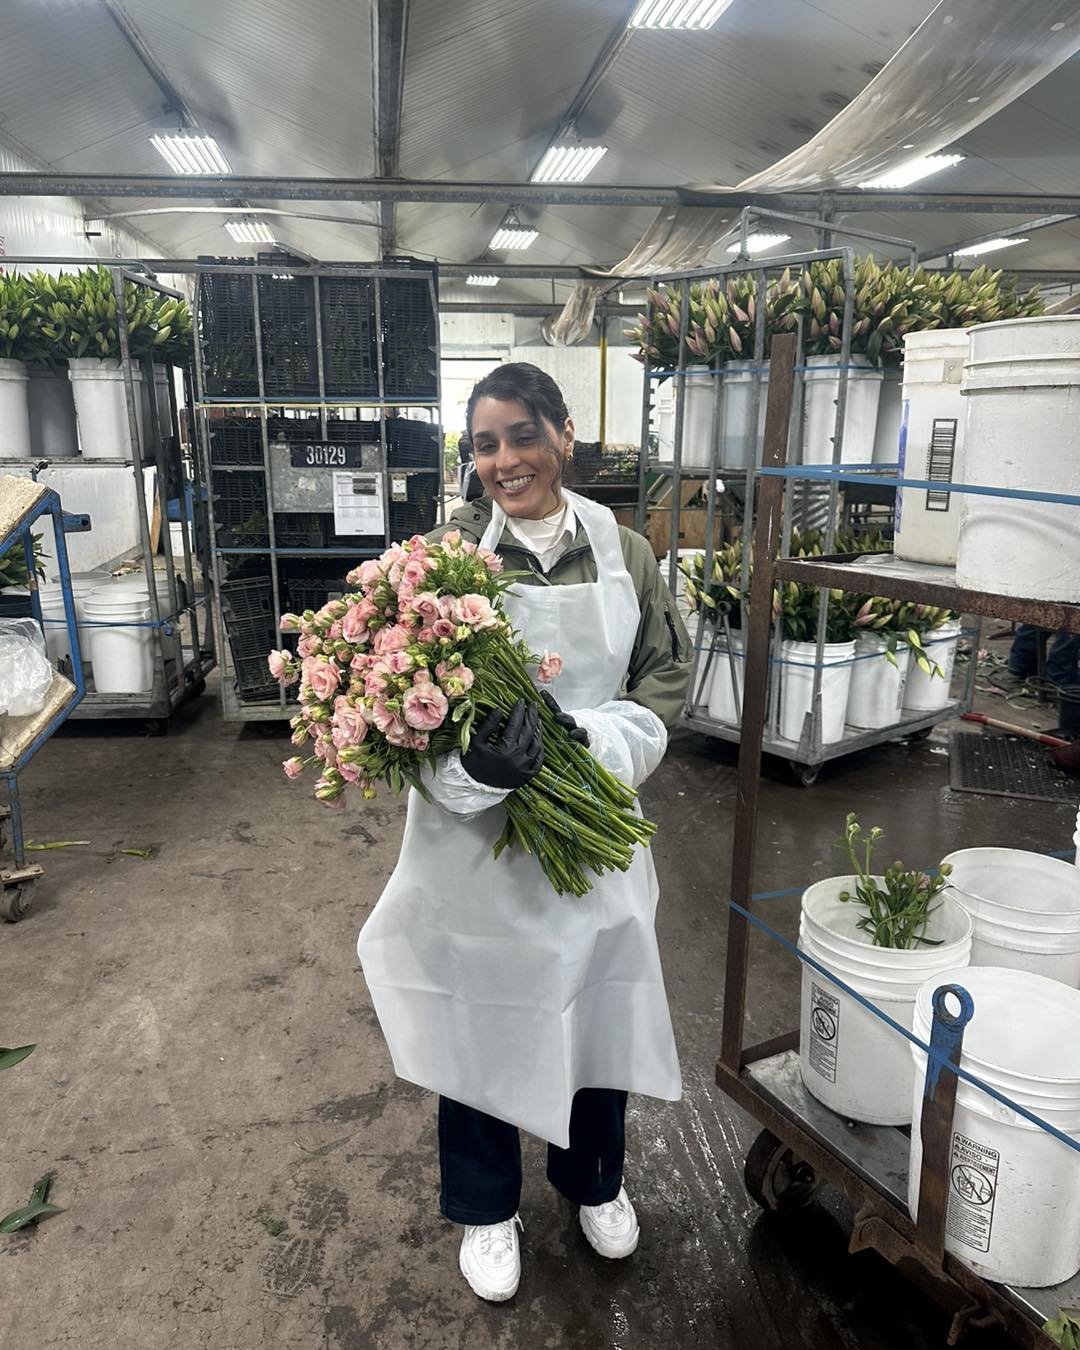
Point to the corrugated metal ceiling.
(287, 90)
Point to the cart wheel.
(156, 726)
(805, 775)
(775, 1178)
(16, 901)
(921, 735)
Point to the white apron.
(490, 988)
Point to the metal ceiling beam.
(229, 187)
(174, 100)
(390, 29)
(1028, 227)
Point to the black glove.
(511, 759)
(564, 720)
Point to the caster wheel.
(156, 726)
(806, 775)
(16, 902)
(775, 1178)
(197, 689)
(923, 734)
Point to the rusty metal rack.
(803, 1144)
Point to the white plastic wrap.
(25, 673)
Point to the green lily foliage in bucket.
(898, 913)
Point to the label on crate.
(332, 455)
(973, 1180)
(824, 1031)
(358, 503)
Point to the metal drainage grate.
(1005, 766)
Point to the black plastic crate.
(247, 608)
(240, 515)
(412, 444)
(296, 529)
(227, 332)
(310, 585)
(410, 368)
(236, 441)
(289, 352)
(347, 313)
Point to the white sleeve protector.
(452, 789)
(627, 738)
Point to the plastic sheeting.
(965, 62)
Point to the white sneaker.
(491, 1259)
(612, 1229)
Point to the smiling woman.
(522, 437)
(523, 1008)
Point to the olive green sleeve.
(659, 673)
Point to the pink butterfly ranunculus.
(392, 639)
(425, 707)
(388, 722)
(324, 678)
(476, 611)
(426, 605)
(550, 667)
(492, 561)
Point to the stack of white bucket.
(122, 640)
(1014, 1194)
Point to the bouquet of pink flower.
(396, 674)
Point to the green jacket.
(659, 672)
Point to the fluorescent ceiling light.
(250, 230)
(912, 170)
(988, 246)
(677, 13)
(481, 279)
(514, 236)
(758, 243)
(190, 154)
(568, 163)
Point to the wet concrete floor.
(238, 1166)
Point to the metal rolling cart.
(305, 375)
(803, 1144)
(22, 502)
(818, 501)
(183, 647)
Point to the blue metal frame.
(62, 521)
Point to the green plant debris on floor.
(10, 1057)
(32, 847)
(275, 1227)
(1065, 1328)
(37, 1209)
(138, 852)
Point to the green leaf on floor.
(9, 1058)
(138, 852)
(37, 1209)
(1065, 1329)
(31, 847)
(275, 1227)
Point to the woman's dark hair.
(529, 385)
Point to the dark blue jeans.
(480, 1158)
(1062, 656)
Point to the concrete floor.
(209, 1067)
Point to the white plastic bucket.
(101, 407)
(51, 597)
(822, 389)
(1022, 381)
(14, 410)
(738, 438)
(122, 653)
(797, 687)
(726, 690)
(930, 693)
(52, 414)
(850, 1060)
(876, 696)
(1014, 1195)
(701, 391)
(1026, 909)
(889, 416)
(932, 444)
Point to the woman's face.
(518, 458)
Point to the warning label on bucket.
(973, 1179)
(824, 1031)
